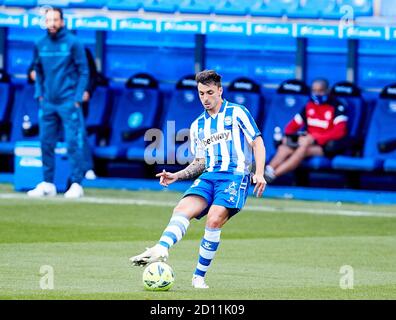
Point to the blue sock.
(175, 230)
(207, 250)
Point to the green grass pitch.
(273, 249)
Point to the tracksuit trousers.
(52, 116)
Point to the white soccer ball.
(158, 276)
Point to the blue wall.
(166, 56)
(265, 59)
(326, 59)
(377, 63)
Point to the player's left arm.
(253, 136)
(259, 156)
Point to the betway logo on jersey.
(216, 138)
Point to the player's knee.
(214, 222)
(184, 209)
(179, 208)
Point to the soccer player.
(223, 139)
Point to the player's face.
(53, 22)
(210, 95)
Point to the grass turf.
(284, 254)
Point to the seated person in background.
(325, 121)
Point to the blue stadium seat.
(312, 9)
(390, 165)
(54, 3)
(359, 8)
(246, 92)
(135, 110)
(24, 119)
(87, 3)
(5, 107)
(196, 6)
(233, 7)
(184, 108)
(290, 98)
(380, 142)
(25, 115)
(166, 6)
(97, 114)
(388, 8)
(20, 3)
(350, 94)
(273, 8)
(129, 5)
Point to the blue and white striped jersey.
(224, 139)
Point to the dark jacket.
(61, 68)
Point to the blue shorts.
(222, 189)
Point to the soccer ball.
(158, 276)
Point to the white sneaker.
(43, 189)
(199, 282)
(75, 191)
(154, 254)
(90, 175)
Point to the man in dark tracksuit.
(61, 78)
(87, 164)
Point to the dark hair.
(207, 77)
(323, 81)
(56, 10)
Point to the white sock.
(175, 230)
(207, 250)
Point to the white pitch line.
(123, 201)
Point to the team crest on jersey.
(228, 121)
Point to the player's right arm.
(194, 169)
